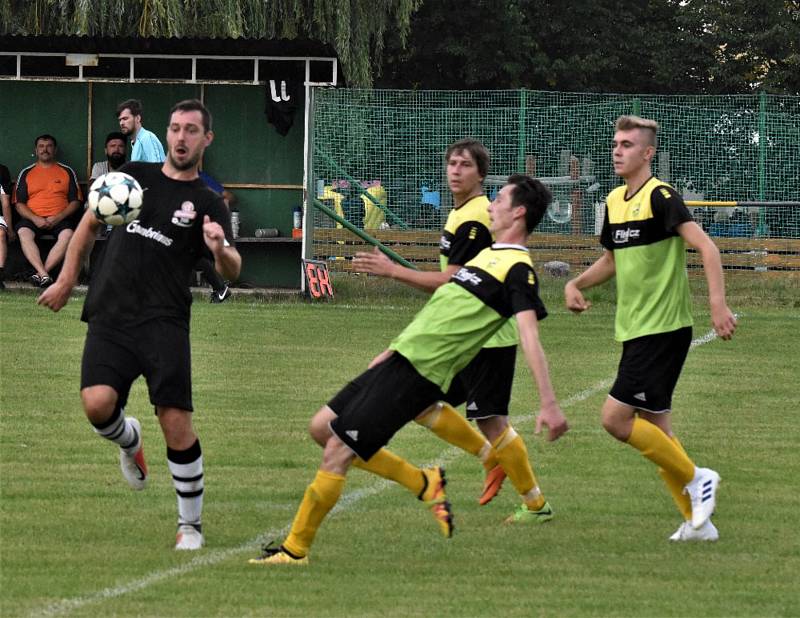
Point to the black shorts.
(485, 384)
(649, 370)
(159, 350)
(374, 406)
(66, 224)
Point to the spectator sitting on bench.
(116, 150)
(116, 146)
(46, 196)
(6, 232)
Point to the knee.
(319, 426)
(176, 425)
(98, 403)
(616, 427)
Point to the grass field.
(75, 541)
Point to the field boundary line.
(65, 606)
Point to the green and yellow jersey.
(650, 258)
(463, 314)
(465, 235)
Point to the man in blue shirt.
(144, 144)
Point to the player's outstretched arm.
(378, 263)
(599, 272)
(227, 260)
(81, 243)
(722, 317)
(550, 413)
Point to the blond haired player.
(645, 228)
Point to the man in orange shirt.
(47, 194)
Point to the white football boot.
(134, 467)
(686, 532)
(702, 490)
(188, 538)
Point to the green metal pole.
(637, 107)
(362, 234)
(523, 101)
(361, 190)
(762, 160)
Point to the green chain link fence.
(378, 159)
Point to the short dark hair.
(476, 149)
(193, 105)
(135, 105)
(114, 135)
(45, 136)
(531, 194)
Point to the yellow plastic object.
(373, 215)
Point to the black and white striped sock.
(187, 477)
(119, 430)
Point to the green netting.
(739, 148)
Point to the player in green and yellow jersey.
(645, 228)
(485, 384)
(422, 362)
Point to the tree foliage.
(657, 46)
(754, 43)
(354, 28)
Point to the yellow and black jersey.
(466, 232)
(465, 235)
(650, 259)
(464, 313)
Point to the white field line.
(211, 558)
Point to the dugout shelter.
(258, 92)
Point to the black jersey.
(145, 269)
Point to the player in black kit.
(138, 309)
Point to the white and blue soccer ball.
(115, 198)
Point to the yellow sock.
(654, 444)
(443, 420)
(682, 501)
(386, 464)
(319, 498)
(513, 456)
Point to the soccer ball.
(115, 198)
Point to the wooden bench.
(422, 248)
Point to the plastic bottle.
(297, 218)
(235, 223)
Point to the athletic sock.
(186, 468)
(675, 487)
(513, 456)
(654, 444)
(443, 420)
(320, 497)
(386, 464)
(119, 430)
